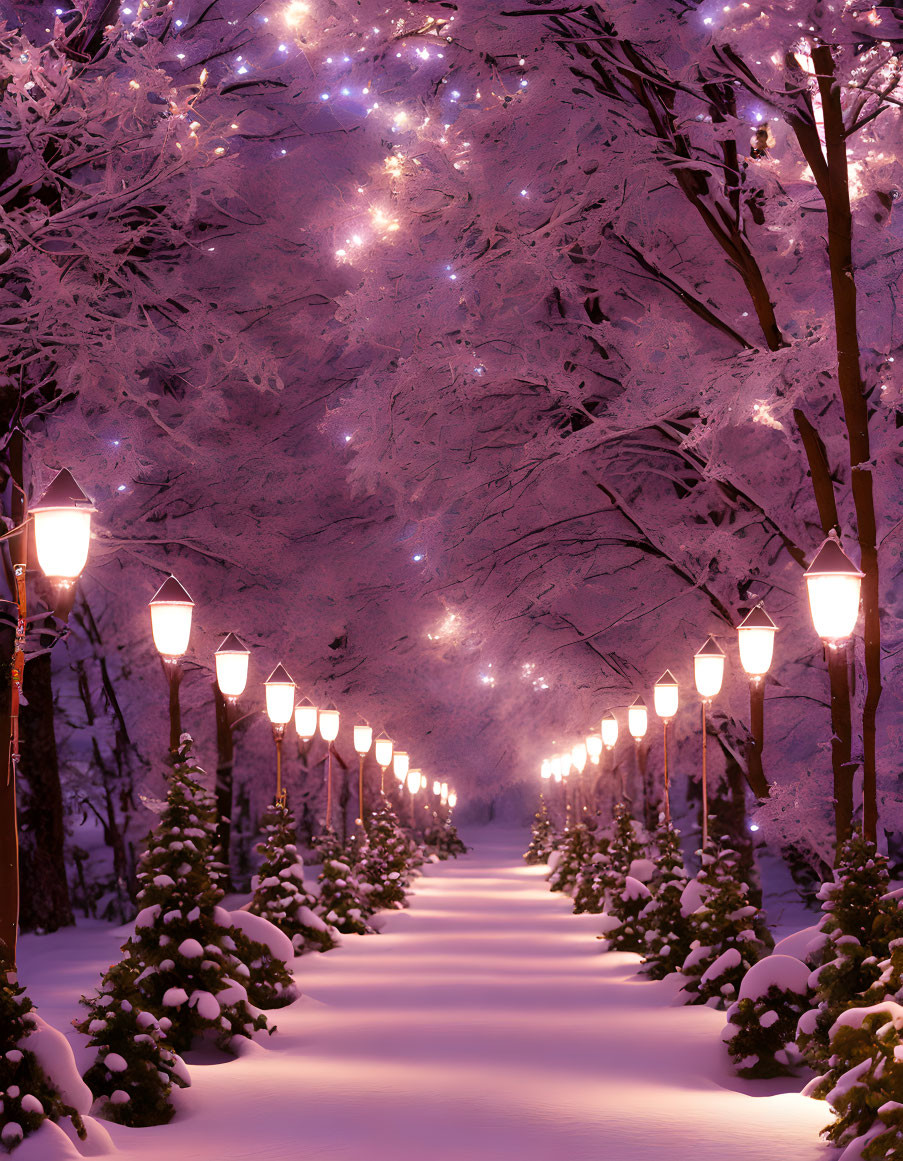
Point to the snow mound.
(55, 1056)
(641, 869)
(780, 971)
(692, 898)
(801, 944)
(634, 888)
(262, 931)
(727, 960)
(49, 1143)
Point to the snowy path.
(482, 1025)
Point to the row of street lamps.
(833, 584)
(171, 611)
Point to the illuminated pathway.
(483, 1025)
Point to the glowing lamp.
(578, 757)
(363, 739)
(329, 723)
(637, 719)
(708, 669)
(555, 767)
(443, 792)
(755, 635)
(665, 695)
(170, 610)
(280, 695)
(422, 781)
(400, 763)
(594, 747)
(306, 714)
(437, 787)
(231, 661)
(609, 731)
(413, 781)
(382, 750)
(62, 529)
(545, 770)
(565, 760)
(452, 800)
(834, 583)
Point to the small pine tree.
(858, 923)
(190, 964)
(385, 860)
(540, 836)
(761, 1026)
(589, 895)
(344, 898)
(729, 931)
(624, 892)
(279, 891)
(29, 1096)
(452, 843)
(133, 1074)
(667, 932)
(866, 1081)
(576, 849)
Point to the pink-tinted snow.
(482, 1024)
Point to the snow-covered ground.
(483, 1024)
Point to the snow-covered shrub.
(28, 1094)
(192, 966)
(575, 850)
(627, 904)
(279, 891)
(865, 1084)
(625, 860)
(540, 836)
(761, 1030)
(859, 920)
(667, 930)
(134, 1071)
(729, 932)
(589, 895)
(344, 897)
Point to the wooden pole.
(705, 788)
(667, 790)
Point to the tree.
(134, 1071)
(344, 898)
(540, 835)
(668, 931)
(279, 891)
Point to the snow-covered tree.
(668, 931)
(729, 932)
(761, 1024)
(574, 851)
(192, 965)
(29, 1095)
(540, 836)
(344, 895)
(134, 1071)
(280, 894)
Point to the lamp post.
(231, 663)
(170, 609)
(280, 702)
(578, 760)
(401, 763)
(452, 800)
(413, 780)
(708, 671)
(329, 731)
(306, 717)
(637, 725)
(62, 528)
(609, 732)
(755, 636)
(665, 699)
(363, 740)
(382, 752)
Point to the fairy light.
(295, 12)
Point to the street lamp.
(306, 718)
(755, 636)
(62, 528)
(708, 672)
(363, 740)
(443, 793)
(413, 787)
(452, 800)
(834, 583)
(400, 765)
(594, 747)
(609, 731)
(280, 702)
(637, 725)
(231, 660)
(170, 609)
(382, 752)
(665, 699)
(329, 731)
(437, 787)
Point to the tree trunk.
(42, 866)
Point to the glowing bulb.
(708, 669)
(231, 661)
(665, 696)
(755, 635)
(609, 730)
(637, 719)
(306, 715)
